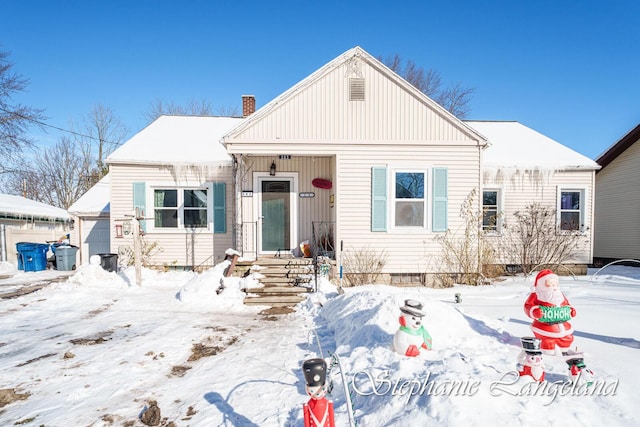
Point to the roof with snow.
(515, 146)
(178, 139)
(94, 202)
(18, 207)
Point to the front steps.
(286, 281)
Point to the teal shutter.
(219, 207)
(440, 203)
(378, 198)
(140, 202)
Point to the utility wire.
(57, 128)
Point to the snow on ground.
(96, 350)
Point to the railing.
(322, 244)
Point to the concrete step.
(274, 301)
(279, 290)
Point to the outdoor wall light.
(119, 230)
(272, 170)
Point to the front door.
(276, 207)
(276, 218)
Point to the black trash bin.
(109, 262)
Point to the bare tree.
(101, 130)
(533, 239)
(15, 118)
(454, 99)
(57, 176)
(191, 108)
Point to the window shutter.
(439, 199)
(219, 207)
(378, 199)
(140, 202)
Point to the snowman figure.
(530, 359)
(412, 335)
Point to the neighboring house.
(352, 156)
(521, 167)
(24, 220)
(617, 208)
(176, 175)
(91, 218)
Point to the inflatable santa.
(530, 359)
(318, 411)
(412, 335)
(551, 312)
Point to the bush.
(363, 266)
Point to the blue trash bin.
(32, 256)
(22, 247)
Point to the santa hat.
(543, 276)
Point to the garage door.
(96, 238)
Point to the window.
(195, 208)
(490, 210)
(571, 209)
(403, 202)
(174, 208)
(410, 199)
(165, 203)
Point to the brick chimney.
(248, 105)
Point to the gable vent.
(356, 89)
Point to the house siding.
(617, 220)
(525, 187)
(322, 113)
(408, 251)
(176, 247)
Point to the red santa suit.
(552, 332)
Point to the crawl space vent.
(356, 89)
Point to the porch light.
(272, 169)
(119, 230)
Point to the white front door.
(276, 206)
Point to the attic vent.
(356, 89)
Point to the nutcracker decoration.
(412, 335)
(318, 411)
(551, 312)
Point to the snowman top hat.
(315, 372)
(413, 308)
(531, 345)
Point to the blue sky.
(568, 69)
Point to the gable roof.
(177, 139)
(18, 207)
(345, 59)
(94, 202)
(515, 146)
(619, 147)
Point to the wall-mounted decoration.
(322, 183)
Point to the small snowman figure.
(318, 411)
(530, 359)
(412, 335)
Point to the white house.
(352, 156)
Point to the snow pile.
(97, 349)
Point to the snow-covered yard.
(97, 350)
